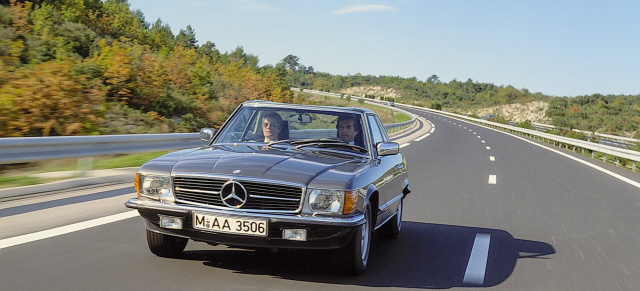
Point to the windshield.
(292, 126)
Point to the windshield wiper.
(331, 140)
(305, 141)
(279, 142)
(332, 143)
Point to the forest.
(86, 67)
(74, 67)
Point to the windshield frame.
(271, 106)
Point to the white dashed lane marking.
(492, 179)
(422, 137)
(488, 148)
(492, 158)
(477, 265)
(404, 145)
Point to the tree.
(434, 79)
(291, 62)
(187, 38)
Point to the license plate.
(227, 224)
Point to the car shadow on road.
(425, 255)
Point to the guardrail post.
(604, 157)
(617, 161)
(84, 165)
(633, 168)
(593, 154)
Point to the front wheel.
(358, 248)
(167, 246)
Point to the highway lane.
(552, 224)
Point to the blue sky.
(557, 47)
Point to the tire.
(357, 251)
(391, 228)
(166, 246)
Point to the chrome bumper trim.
(351, 221)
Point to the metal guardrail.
(29, 149)
(561, 141)
(621, 139)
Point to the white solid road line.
(478, 260)
(492, 179)
(22, 239)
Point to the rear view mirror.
(206, 134)
(301, 118)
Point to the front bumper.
(322, 232)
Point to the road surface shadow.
(425, 255)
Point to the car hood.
(260, 162)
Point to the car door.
(391, 166)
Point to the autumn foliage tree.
(72, 67)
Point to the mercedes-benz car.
(277, 176)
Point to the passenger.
(347, 128)
(271, 126)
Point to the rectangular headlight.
(156, 187)
(326, 201)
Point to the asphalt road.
(488, 210)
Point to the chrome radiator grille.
(261, 196)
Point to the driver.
(271, 126)
(347, 129)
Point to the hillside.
(378, 92)
(534, 111)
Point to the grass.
(18, 181)
(17, 175)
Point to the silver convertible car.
(278, 176)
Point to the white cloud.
(363, 9)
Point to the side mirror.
(387, 148)
(206, 134)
